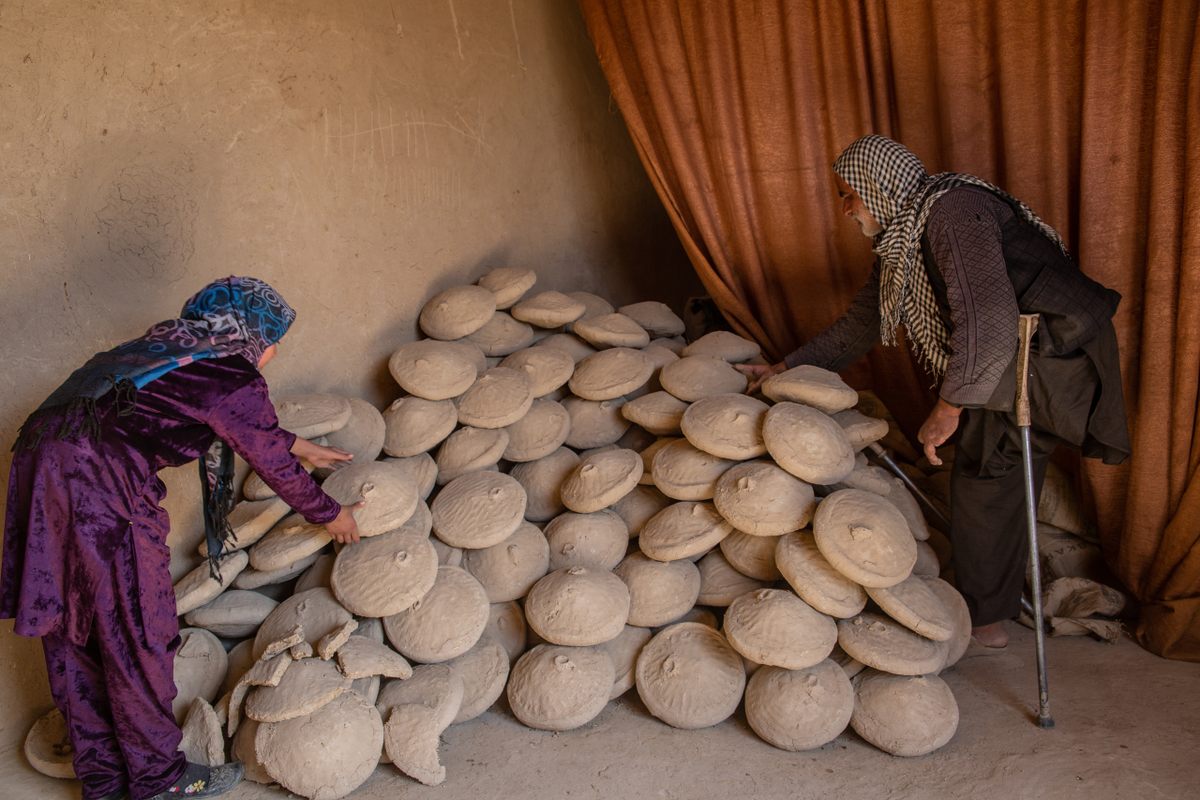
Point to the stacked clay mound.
(559, 474)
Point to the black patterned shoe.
(200, 781)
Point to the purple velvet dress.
(86, 563)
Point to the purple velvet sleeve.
(246, 420)
(965, 238)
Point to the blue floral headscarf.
(234, 316)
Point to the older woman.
(85, 539)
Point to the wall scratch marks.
(454, 22)
(512, 15)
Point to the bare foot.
(992, 635)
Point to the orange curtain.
(1087, 111)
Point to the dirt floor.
(1128, 727)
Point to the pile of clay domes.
(569, 501)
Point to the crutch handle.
(1026, 326)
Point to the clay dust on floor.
(1128, 728)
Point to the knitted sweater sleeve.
(849, 338)
(964, 237)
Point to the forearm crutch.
(1026, 327)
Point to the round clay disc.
(648, 453)
(637, 507)
(720, 583)
(623, 651)
(326, 755)
(693, 378)
(726, 426)
(812, 386)
(541, 480)
(601, 479)
(315, 612)
(362, 435)
(548, 368)
(433, 370)
(570, 344)
(611, 330)
(724, 345)
(660, 412)
(199, 667)
(556, 688)
(290, 541)
(660, 592)
(508, 284)
(800, 709)
(689, 677)
(865, 538)
(548, 310)
(539, 433)
(457, 312)
(917, 607)
(316, 575)
(886, 645)
(499, 398)
(312, 415)
(307, 685)
(683, 530)
(506, 624)
(904, 716)
(233, 614)
(446, 622)
(761, 499)
(962, 619)
(386, 574)
(508, 570)
(899, 496)
(927, 566)
(250, 521)
(470, 449)
(807, 443)
(684, 472)
(777, 628)
(421, 469)
(594, 423)
(752, 555)
(868, 478)
(860, 429)
(578, 606)
(255, 579)
(478, 510)
(656, 318)
(813, 578)
(596, 305)
(484, 672)
(414, 425)
(598, 540)
(48, 747)
(199, 587)
(611, 373)
(673, 343)
(502, 335)
(390, 494)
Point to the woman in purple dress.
(86, 562)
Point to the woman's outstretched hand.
(343, 528)
(318, 455)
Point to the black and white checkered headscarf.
(899, 193)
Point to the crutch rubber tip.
(1045, 722)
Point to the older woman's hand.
(318, 455)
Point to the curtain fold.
(1087, 112)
